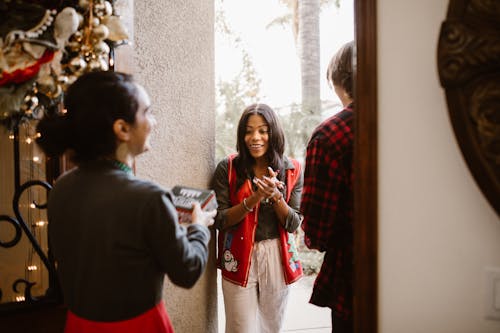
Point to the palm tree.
(309, 54)
(303, 18)
(292, 17)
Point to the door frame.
(365, 183)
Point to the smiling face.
(257, 136)
(144, 123)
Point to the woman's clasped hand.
(268, 187)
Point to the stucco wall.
(174, 60)
(437, 231)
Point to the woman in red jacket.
(258, 193)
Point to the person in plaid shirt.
(327, 197)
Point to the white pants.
(260, 306)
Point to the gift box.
(183, 198)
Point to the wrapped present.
(184, 197)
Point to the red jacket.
(236, 244)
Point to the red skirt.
(155, 320)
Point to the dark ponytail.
(54, 134)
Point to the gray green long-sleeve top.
(114, 238)
(267, 227)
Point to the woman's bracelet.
(275, 201)
(246, 207)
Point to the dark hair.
(244, 162)
(341, 68)
(93, 103)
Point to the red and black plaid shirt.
(327, 205)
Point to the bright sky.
(273, 50)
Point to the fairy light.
(32, 161)
(40, 223)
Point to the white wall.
(174, 60)
(437, 231)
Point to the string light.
(95, 52)
(40, 223)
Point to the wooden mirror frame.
(469, 70)
(365, 186)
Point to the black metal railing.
(21, 227)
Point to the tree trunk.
(309, 53)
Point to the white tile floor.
(301, 317)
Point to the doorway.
(365, 284)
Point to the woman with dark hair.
(258, 194)
(114, 236)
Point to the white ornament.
(66, 24)
(117, 30)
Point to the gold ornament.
(100, 32)
(77, 65)
(84, 35)
(101, 48)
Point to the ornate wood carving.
(469, 70)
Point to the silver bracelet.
(245, 206)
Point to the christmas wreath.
(45, 46)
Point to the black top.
(114, 237)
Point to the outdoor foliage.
(244, 89)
